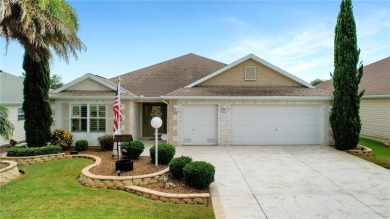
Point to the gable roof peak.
(257, 59)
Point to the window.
(88, 118)
(79, 118)
(250, 73)
(20, 114)
(97, 118)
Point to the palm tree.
(6, 127)
(40, 26)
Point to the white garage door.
(275, 125)
(199, 124)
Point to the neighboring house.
(375, 104)
(11, 96)
(201, 102)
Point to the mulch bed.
(141, 166)
(3, 165)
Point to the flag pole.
(120, 117)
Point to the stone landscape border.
(9, 172)
(366, 151)
(196, 198)
(132, 184)
(22, 161)
(114, 182)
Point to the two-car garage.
(253, 124)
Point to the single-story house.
(375, 104)
(201, 102)
(11, 96)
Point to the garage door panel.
(199, 124)
(275, 125)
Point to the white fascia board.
(251, 56)
(149, 99)
(11, 103)
(90, 98)
(376, 96)
(82, 78)
(248, 98)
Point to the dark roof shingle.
(375, 80)
(165, 77)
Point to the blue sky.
(297, 36)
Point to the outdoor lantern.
(156, 123)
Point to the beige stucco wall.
(375, 117)
(172, 123)
(236, 76)
(89, 84)
(61, 116)
(19, 133)
(224, 137)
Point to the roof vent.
(250, 73)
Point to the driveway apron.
(293, 182)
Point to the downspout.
(167, 119)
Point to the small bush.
(165, 153)
(176, 166)
(61, 138)
(12, 142)
(81, 145)
(106, 142)
(134, 149)
(199, 174)
(25, 152)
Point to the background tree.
(55, 81)
(6, 127)
(316, 81)
(40, 26)
(345, 119)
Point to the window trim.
(20, 114)
(245, 73)
(88, 117)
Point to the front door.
(150, 110)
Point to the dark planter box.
(74, 152)
(124, 165)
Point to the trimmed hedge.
(176, 166)
(134, 149)
(81, 145)
(106, 142)
(165, 153)
(199, 174)
(25, 152)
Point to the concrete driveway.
(294, 182)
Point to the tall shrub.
(36, 105)
(344, 119)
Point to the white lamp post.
(156, 123)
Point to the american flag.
(117, 110)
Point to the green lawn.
(50, 190)
(381, 154)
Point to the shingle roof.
(160, 79)
(375, 80)
(249, 91)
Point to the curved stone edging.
(201, 198)
(367, 151)
(114, 182)
(22, 161)
(9, 172)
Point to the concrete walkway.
(294, 182)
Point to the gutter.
(90, 98)
(376, 96)
(248, 97)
